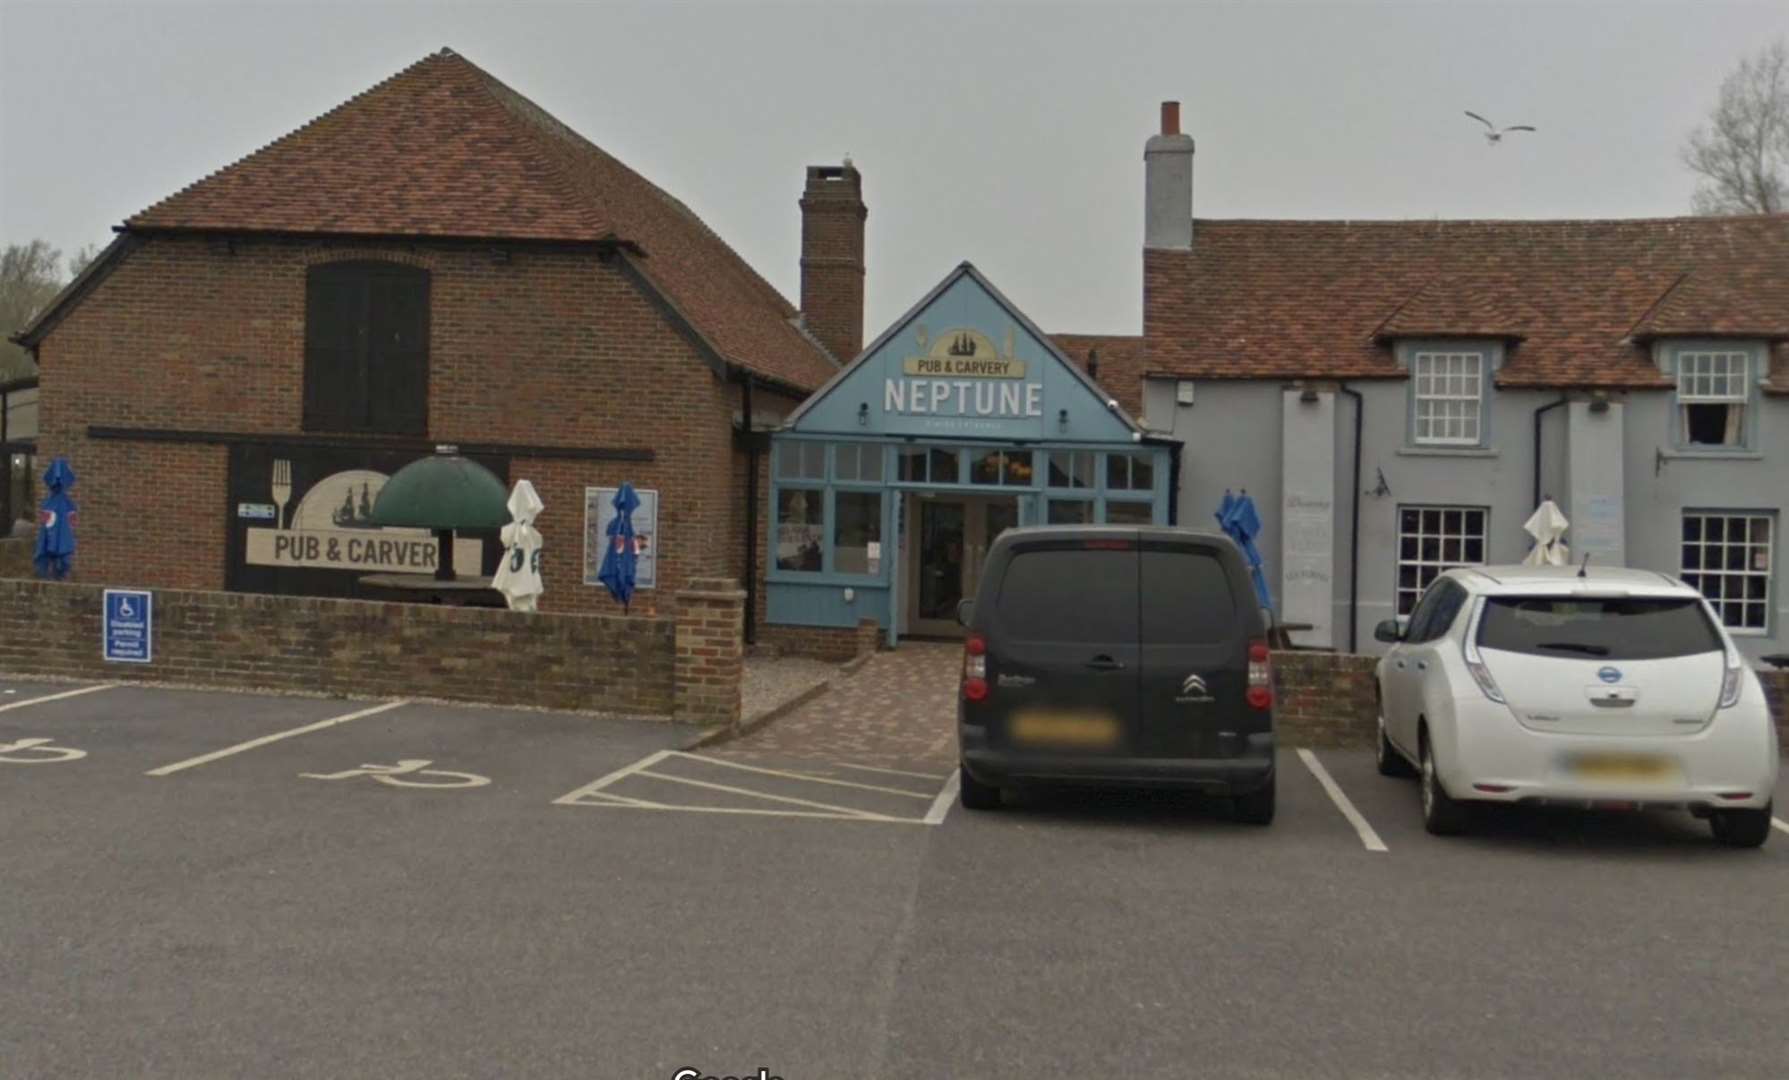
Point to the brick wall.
(15, 557)
(710, 651)
(595, 662)
(1776, 691)
(1326, 699)
(1323, 699)
(545, 347)
(833, 644)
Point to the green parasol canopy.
(445, 491)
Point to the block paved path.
(897, 711)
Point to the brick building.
(436, 261)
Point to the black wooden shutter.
(366, 356)
(397, 357)
(334, 309)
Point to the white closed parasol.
(1547, 525)
(518, 579)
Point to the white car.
(1584, 687)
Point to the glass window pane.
(944, 466)
(1185, 598)
(1019, 469)
(1129, 513)
(813, 460)
(1142, 473)
(1099, 586)
(986, 467)
(800, 529)
(1118, 473)
(1062, 468)
(857, 532)
(1070, 512)
(913, 466)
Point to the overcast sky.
(1008, 134)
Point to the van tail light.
(975, 668)
(1260, 692)
(1475, 663)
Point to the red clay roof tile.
(1576, 299)
(443, 149)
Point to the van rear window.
(1074, 595)
(1625, 628)
(1185, 598)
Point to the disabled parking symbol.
(414, 767)
(38, 752)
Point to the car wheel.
(1256, 808)
(1740, 828)
(974, 794)
(1443, 815)
(1391, 763)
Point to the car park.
(1591, 687)
(1117, 656)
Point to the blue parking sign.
(129, 633)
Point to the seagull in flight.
(1493, 133)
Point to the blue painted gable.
(964, 364)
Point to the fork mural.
(282, 488)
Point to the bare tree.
(82, 259)
(1742, 154)
(30, 276)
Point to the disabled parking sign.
(128, 634)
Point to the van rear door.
(1062, 646)
(1195, 632)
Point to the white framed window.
(1432, 540)
(1728, 556)
(1713, 387)
(1448, 398)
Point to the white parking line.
(1368, 837)
(56, 697)
(948, 795)
(933, 777)
(206, 759)
(808, 777)
(1779, 823)
(595, 793)
(791, 800)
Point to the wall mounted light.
(863, 414)
(1309, 396)
(1599, 401)
(1062, 419)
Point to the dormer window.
(1713, 389)
(1449, 386)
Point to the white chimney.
(1168, 185)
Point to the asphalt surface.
(238, 917)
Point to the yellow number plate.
(1624, 767)
(1069, 729)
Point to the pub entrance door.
(947, 541)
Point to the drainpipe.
(1360, 407)
(751, 516)
(1538, 413)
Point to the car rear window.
(1626, 628)
(1186, 598)
(1072, 595)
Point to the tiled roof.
(443, 149)
(1120, 364)
(1575, 299)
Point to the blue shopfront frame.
(1036, 404)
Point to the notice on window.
(599, 511)
(874, 553)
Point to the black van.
(1117, 656)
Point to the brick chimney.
(1168, 184)
(832, 216)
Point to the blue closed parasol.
(621, 557)
(56, 523)
(1239, 520)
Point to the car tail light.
(1476, 663)
(975, 668)
(1731, 682)
(1260, 692)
